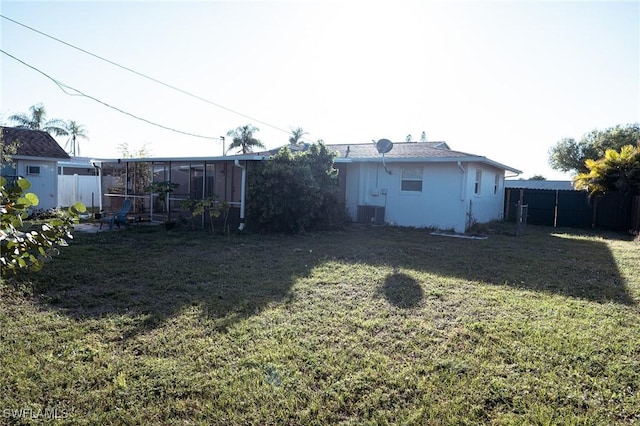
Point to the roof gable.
(33, 143)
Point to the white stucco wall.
(446, 198)
(488, 204)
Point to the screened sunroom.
(158, 188)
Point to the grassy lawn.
(363, 326)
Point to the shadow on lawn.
(145, 278)
(401, 290)
(540, 261)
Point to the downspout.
(242, 192)
(99, 178)
(58, 184)
(462, 185)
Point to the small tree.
(211, 206)
(163, 189)
(26, 247)
(139, 172)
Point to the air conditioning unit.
(371, 214)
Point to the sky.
(502, 79)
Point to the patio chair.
(119, 217)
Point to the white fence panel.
(74, 188)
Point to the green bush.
(25, 246)
(292, 193)
(211, 206)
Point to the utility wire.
(65, 88)
(145, 76)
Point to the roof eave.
(35, 158)
(246, 157)
(469, 159)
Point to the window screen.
(411, 179)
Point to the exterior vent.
(371, 214)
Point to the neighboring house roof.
(33, 143)
(552, 185)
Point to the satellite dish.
(384, 145)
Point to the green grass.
(364, 326)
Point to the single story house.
(419, 184)
(36, 159)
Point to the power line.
(145, 76)
(65, 89)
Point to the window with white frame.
(33, 170)
(496, 184)
(478, 183)
(411, 179)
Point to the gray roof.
(369, 150)
(551, 185)
(366, 152)
(410, 152)
(399, 150)
(33, 143)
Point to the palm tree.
(37, 120)
(75, 131)
(243, 139)
(616, 171)
(296, 136)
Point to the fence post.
(521, 218)
(555, 211)
(635, 218)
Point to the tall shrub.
(294, 192)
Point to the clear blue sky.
(502, 79)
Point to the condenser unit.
(371, 214)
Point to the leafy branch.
(27, 246)
(211, 206)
